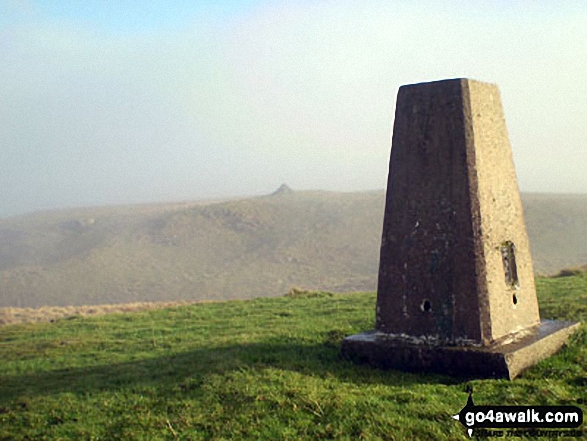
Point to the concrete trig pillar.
(456, 290)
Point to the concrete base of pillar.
(505, 359)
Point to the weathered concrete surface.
(500, 360)
(455, 265)
(452, 203)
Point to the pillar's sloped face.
(511, 303)
(455, 265)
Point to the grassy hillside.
(234, 249)
(228, 250)
(259, 369)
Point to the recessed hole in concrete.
(508, 257)
(515, 299)
(426, 306)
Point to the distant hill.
(557, 226)
(259, 246)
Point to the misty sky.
(118, 101)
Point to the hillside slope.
(235, 249)
(557, 226)
(268, 368)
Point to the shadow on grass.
(168, 373)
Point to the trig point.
(456, 290)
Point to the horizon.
(109, 103)
(235, 197)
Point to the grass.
(259, 369)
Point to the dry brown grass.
(51, 313)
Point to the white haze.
(298, 92)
